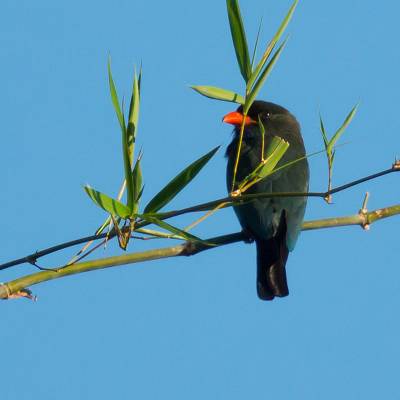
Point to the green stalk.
(238, 151)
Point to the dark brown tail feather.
(272, 255)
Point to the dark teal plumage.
(274, 223)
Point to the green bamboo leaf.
(101, 228)
(271, 46)
(125, 142)
(274, 153)
(219, 94)
(106, 223)
(239, 38)
(178, 183)
(324, 135)
(340, 131)
(114, 95)
(282, 166)
(275, 150)
(256, 43)
(333, 157)
(263, 76)
(274, 143)
(127, 164)
(170, 228)
(137, 179)
(137, 185)
(157, 234)
(133, 115)
(112, 206)
(140, 77)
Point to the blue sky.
(194, 327)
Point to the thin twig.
(41, 268)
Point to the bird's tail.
(272, 255)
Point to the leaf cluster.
(254, 78)
(128, 213)
(330, 143)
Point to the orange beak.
(236, 118)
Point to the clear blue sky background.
(194, 328)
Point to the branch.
(32, 258)
(12, 288)
(248, 197)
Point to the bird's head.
(262, 110)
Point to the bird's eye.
(267, 115)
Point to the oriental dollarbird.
(273, 223)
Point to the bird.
(274, 224)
